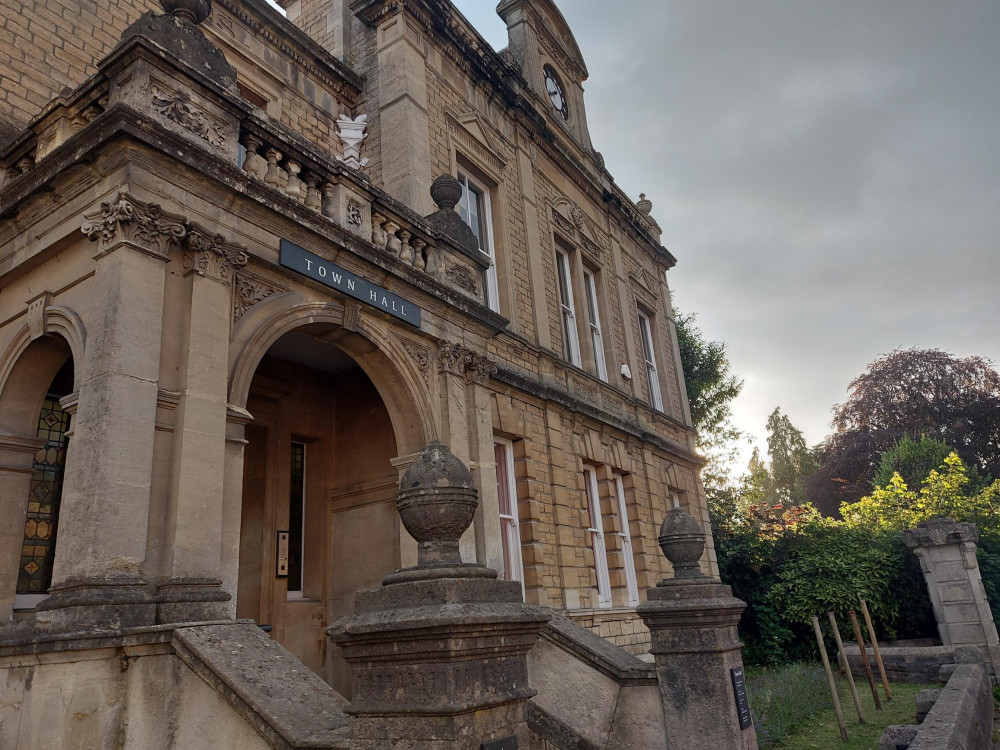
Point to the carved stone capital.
(210, 255)
(129, 220)
(456, 359)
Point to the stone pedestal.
(439, 651)
(947, 553)
(692, 620)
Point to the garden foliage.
(789, 564)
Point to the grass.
(792, 709)
(822, 731)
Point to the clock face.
(555, 90)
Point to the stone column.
(699, 657)
(191, 585)
(947, 553)
(98, 578)
(439, 651)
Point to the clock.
(555, 90)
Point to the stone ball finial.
(446, 192)
(194, 11)
(644, 205)
(437, 502)
(683, 543)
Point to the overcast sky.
(826, 172)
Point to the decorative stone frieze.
(178, 107)
(211, 255)
(420, 355)
(132, 221)
(248, 291)
(463, 278)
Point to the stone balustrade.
(359, 208)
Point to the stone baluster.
(378, 233)
(393, 243)
(294, 186)
(252, 162)
(405, 250)
(419, 261)
(330, 200)
(312, 193)
(273, 174)
(434, 265)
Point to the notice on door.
(329, 274)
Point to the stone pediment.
(473, 137)
(645, 280)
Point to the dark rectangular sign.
(309, 264)
(740, 693)
(507, 743)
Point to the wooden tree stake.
(829, 679)
(841, 655)
(875, 648)
(864, 660)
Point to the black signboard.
(740, 693)
(507, 743)
(329, 274)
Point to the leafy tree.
(711, 388)
(791, 461)
(909, 393)
(913, 460)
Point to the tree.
(791, 461)
(909, 393)
(913, 460)
(711, 388)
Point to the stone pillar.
(191, 585)
(699, 657)
(947, 553)
(439, 651)
(98, 578)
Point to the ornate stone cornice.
(129, 220)
(210, 255)
(940, 531)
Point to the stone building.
(233, 309)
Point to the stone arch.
(370, 344)
(57, 322)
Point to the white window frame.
(510, 526)
(626, 540)
(594, 323)
(649, 357)
(296, 594)
(564, 279)
(596, 530)
(484, 230)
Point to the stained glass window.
(35, 572)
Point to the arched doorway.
(34, 426)
(318, 518)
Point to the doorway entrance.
(318, 517)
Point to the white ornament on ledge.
(352, 134)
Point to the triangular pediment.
(645, 281)
(475, 139)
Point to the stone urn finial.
(446, 192)
(683, 542)
(437, 502)
(194, 11)
(644, 204)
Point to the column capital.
(128, 220)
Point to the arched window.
(34, 574)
